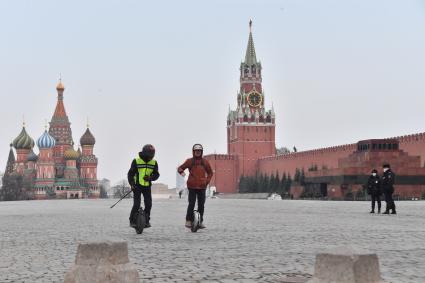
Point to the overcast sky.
(165, 72)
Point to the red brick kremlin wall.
(412, 144)
(226, 172)
(227, 168)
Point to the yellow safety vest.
(144, 169)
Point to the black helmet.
(148, 151)
(386, 165)
(374, 171)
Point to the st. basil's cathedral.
(59, 170)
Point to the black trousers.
(376, 198)
(193, 195)
(389, 200)
(147, 198)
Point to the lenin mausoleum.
(338, 170)
(58, 170)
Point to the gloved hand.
(147, 178)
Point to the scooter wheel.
(141, 221)
(196, 221)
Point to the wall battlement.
(410, 138)
(313, 152)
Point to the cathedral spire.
(250, 57)
(60, 107)
(10, 165)
(60, 128)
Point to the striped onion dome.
(32, 157)
(46, 140)
(71, 154)
(23, 141)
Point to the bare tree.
(282, 150)
(121, 189)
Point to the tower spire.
(60, 108)
(10, 161)
(60, 128)
(250, 57)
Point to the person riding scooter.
(200, 174)
(143, 170)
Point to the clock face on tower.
(254, 99)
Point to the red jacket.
(200, 172)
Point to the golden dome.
(71, 154)
(60, 86)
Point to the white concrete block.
(346, 265)
(100, 262)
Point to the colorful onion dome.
(87, 138)
(32, 157)
(46, 140)
(23, 141)
(71, 154)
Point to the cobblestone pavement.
(245, 240)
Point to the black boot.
(372, 211)
(393, 212)
(386, 212)
(148, 224)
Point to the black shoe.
(147, 225)
(372, 211)
(393, 212)
(386, 212)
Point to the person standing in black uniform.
(374, 190)
(387, 182)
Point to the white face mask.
(386, 169)
(374, 174)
